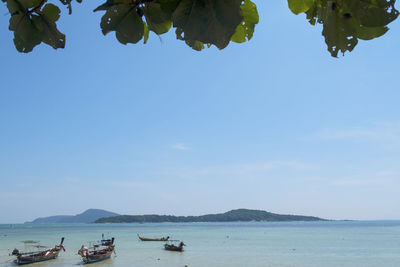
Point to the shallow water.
(375, 243)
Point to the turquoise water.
(375, 243)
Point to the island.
(238, 215)
(88, 216)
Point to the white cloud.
(385, 133)
(131, 185)
(273, 165)
(72, 180)
(24, 185)
(359, 182)
(8, 196)
(382, 178)
(180, 146)
(241, 171)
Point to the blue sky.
(273, 124)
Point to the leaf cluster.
(346, 21)
(34, 22)
(199, 23)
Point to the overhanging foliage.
(201, 23)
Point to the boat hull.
(163, 239)
(44, 256)
(96, 258)
(89, 260)
(173, 248)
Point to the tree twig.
(37, 8)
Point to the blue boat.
(98, 252)
(43, 254)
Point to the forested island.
(238, 215)
(87, 216)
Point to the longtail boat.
(172, 247)
(42, 254)
(98, 252)
(153, 239)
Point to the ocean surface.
(322, 244)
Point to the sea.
(322, 244)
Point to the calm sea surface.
(372, 243)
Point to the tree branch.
(37, 8)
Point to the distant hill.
(239, 215)
(88, 216)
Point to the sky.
(275, 124)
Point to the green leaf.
(30, 3)
(105, 6)
(168, 6)
(346, 21)
(157, 20)
(368, 33)
(24, 46)
(50, 33)
(207, 21)
(300, 6)
(377, 17)
(14, 6)
(22, 26)
(249, 12)
(121, 38)
(196, 45)
(51, 12)
(339, 32)
(109, 3)
(146, 33)
(26, 35)
(240, 34)
(250, 18)
(372, 13)
(124, 20)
